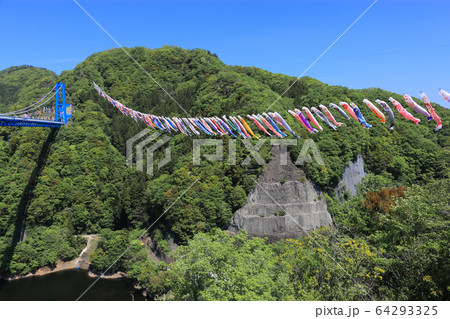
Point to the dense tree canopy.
(393, 234)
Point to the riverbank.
(65, 265)
(60, 266)
(81, 262)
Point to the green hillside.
(22, 85)
(75, 181)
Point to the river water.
(67, 285)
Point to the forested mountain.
(393, 234)
(22, 84)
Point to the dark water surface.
(67, 285)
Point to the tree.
(217, 266)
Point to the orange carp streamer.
(431, 110)
(404, 112)
(329, 115)
(349, 110)
(375, 110)
(312, 118)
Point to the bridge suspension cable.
(30, 107)
(26, 110)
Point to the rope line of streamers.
(272, 123)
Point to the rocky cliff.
(283, 204)
(353, 174)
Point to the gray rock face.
(353, 174)
(284, 204)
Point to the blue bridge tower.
(63, 112)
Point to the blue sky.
(399, 45)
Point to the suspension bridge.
(38, 114)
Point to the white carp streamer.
(416, 107)
(445, 95)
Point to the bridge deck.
(18, 121)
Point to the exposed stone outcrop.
(155, 252)
(353, 174)
(284, 203)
